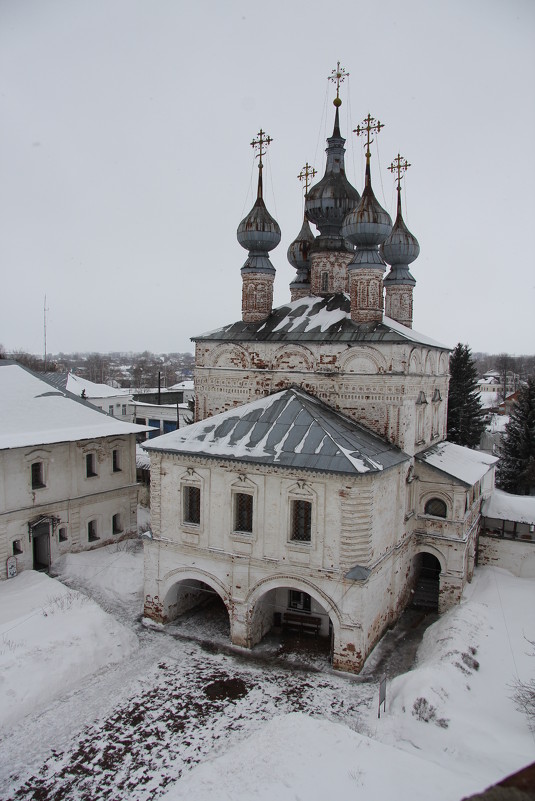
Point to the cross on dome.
(368, 126)
(399, 165)
(338, 76)
(306, 173)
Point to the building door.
(41, 546)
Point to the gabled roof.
(504, 506)
(317, 319)
(34, 412)
(464, 464)
(288, 429)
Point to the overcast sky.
(127, 165)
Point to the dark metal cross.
(260, 145)
(399, 165)
(338, 76)
(368, 126)
(306, 173)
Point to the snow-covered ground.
(99, 706)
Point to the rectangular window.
(38, 475)
(243, 512)
(110, 410)
(324, 281)
(116, 524)
(17, 547)
(90, 465)
(301, 523)
(299, 600)
(192, 505)
(62, 534)
(92, 531)
(116, 460)
(123, 410)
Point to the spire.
(332, 197)
(399, 250)
(298, 252)
(367, 227)
(258, 233)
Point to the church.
(316, 489)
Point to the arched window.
(436, 507)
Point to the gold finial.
(306, 173)
(399, 165)
(338, 75)
(260, 146)
(368, 126)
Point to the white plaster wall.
(376, 385)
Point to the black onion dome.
(401, 247)
(299, 250)
(259, 232)
(328, 202)
(369, 224)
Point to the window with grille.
(192, 505)
(243, 512)
(38, 475)
(436, 507)
(301, 521)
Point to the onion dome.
(259, 233)
(328, 202)
(369, 224)
(299, 249)
(399, 250)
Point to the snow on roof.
(75, 384)
(183, 385)
(488, 399)
(289, 429)
(503, 506)
(462, 463)
(142, 459)
(317, 319)
(498, 423)
(34, 412)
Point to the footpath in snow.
(98, 706)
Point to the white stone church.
(316, 489)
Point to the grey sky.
(127, 166)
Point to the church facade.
(316, 486)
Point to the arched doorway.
(292, 622)
(197, 609)
(426, 581)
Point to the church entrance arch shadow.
(426, 586)
(196, 609)
(292, 623)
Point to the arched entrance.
(197, 609)
(426, 581)
(292, 621)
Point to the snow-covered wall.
(514, 555)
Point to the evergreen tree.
(465, 416)
(516, 468)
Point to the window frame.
(186, 492)
(300, 508)
(436, 500)
(92, 530)
(116, 460)
(91, 465)
(117, 524)
(303, 603)
(38, 482)
(237, 499)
